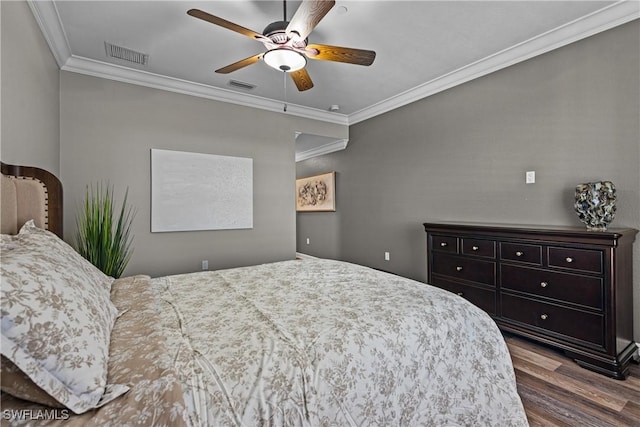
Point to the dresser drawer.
(482, 298)
(531, 254)
(576, 259)
(574, 288)
(479, 247)
(445, 243)
(576, 324)
(565, 286)
(460, 268)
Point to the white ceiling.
(422, 47)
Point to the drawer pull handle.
(519, 253)
(458, 268)
(460, 294)
(544, 316)
(543, 284)
(443, 244)
(568, 259)
(475, 248)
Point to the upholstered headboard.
(30, 193)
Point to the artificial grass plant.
(102, 238)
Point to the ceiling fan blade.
(302, 79)
(197, 13)
(308, 15)
(340, 54)
(240, 64)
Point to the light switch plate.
(530, 177)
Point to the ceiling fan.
(287, 44)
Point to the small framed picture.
(316, 193)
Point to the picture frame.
(316, 193)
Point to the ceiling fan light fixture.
(283, 59)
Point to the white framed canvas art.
(196, 191)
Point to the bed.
(310, 342)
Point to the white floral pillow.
(57, 318)
(71, 255)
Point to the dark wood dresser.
(563, 286)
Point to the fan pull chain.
(284, 73)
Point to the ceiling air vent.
(241, 85)
(125, 54)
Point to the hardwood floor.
(556, 391)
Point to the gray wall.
(87, 130)
(107, 131)
(572, 115)
(30, 114)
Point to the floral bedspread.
(137, 357)
(328, 343)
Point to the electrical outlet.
(530, 177)
(387, 256)
(308, 241)
(205, 264)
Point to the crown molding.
(48, 19)
(119, 73)
(337, 145)
(604, 19)
(46, 15)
